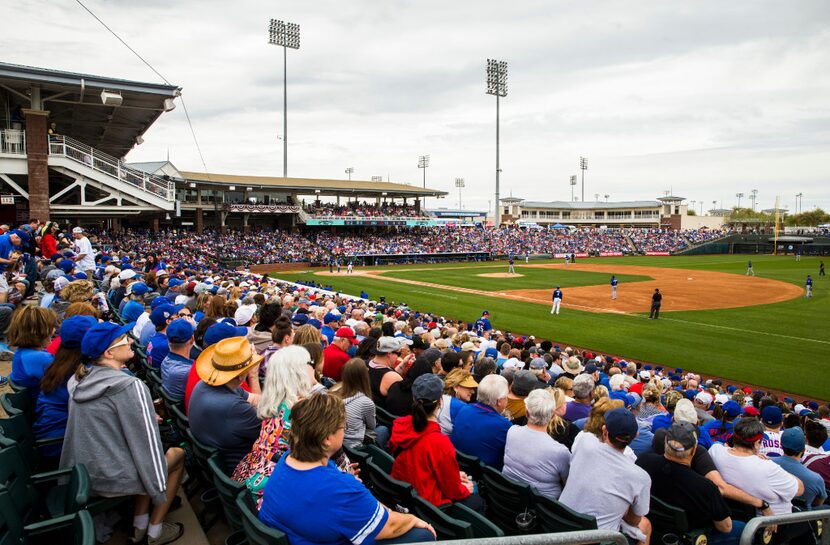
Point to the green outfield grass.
(784, 346)
(533, 278)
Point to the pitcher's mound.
(500, 275)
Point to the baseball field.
(714, 320)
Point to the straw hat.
(220, 363)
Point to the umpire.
(656, 300)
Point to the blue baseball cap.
(620, 422)
(175, 282)
(180, 331)
(772, 415)
(793, 439)
(80, 275)
(66, 265)
(132, 310)
(491, 353)
(328, 318)
(158, 301)
(100, 337)
(73, 330)
(299, 319)
(214, 290)
(160, 315)
(24, 236)
(105, 258)
(315, 322)
(732, 409)
(222, 330)
(139, 288)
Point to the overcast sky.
(706, 98)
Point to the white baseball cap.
(127, 274)
(77, 231)
(704, 398)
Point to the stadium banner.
(610, 254)
(658, 253)
(564, 255)
(373, 222)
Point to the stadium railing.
(562, 538)
(820, 516)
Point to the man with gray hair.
(675, 482)
(580, 407)
(479, 429)
(531, 455)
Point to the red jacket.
(427, 461)
(334, 359)
(48, 246)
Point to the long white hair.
(286, 380)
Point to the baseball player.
(798, 255)
(527, 258)
(821, 268)
(557, 301)
(809, 287)
(510, 269)
(349, 267)
(567, 260)
(337, 262)
(749, 270)
(614, 283)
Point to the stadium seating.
(507, 500)
(256, 532)
(554, 516)
(390, 492)
(228, 489)
(667, 519)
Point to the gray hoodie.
(112, 430)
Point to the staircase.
(631, 243)
(73, 158)
(302, 215)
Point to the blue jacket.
(478, 430)
(28, 366)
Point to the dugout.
(414, 258)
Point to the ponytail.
(422, 409)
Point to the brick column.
(200, 220)
(37, 151)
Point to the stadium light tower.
(583, 166)
(798, 201)
(606, 197)
(459, 183)
(596, 197)
(285, 35)
(349, 172)
(740, 196)
(423, 162)
(497, 85)
(693, 204)
(573, 184)
(753, 195)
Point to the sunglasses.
(125, 341)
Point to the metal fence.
(13, 141)
(820, 516)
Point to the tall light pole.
(714, 205)
(573, 184)
(377, 178)
(423, 162)
(497, 85)
(459, 183)
(740, 196)
(596, 197)
(693, 204)
(798, 201)
(349, 172)
(583, 165)
(286, 35)
(753, 195)
(606, 197)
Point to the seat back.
(358, 456)
(445, 525)
(470, 465)
(83, 529)
(71, 496)
(228, 489)
(667, 517)
(11, 523)
(258, 533)
(558, 517)
(506, 499)
(180, 418)
(14, 478)
(479, 524)
(390, 492)
(16, 428)
(384, 417)
(380, 457)
(19, 402)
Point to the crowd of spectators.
(277, 377)
(362, 210)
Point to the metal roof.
(150, 167)
(568, 205)
(74, 103)
(308, 186)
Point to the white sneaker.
(170, 532)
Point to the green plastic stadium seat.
(360, 457)
(258, 533)
(558, 517)
(228, 490)
(17, 429)
(444, 524)
(19, 402)
(480, 525)
(380, 457)
(506, 499)
(390, 492)
(470, 465)
(668, 519)
(384, 417)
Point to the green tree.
(810, 218)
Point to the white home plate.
(689, 278)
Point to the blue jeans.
(382, 435)
(415, 535)
(727, 538)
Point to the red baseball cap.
(751, 411)
(346, 333)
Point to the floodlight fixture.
(740, 196)
(497, 86)
(377, 178)
(583, 166)
(287, 36)
(349, 172)
(573, 183)
(459, 183)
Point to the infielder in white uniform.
(557, 300)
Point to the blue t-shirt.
(813, 482)
(334, 508)
(28, 366)
(147, 333)
(239, 427)
(52, 414)
(328, 333)
(661, 421)
(6, 248)
(157, 349)
(174, 372)
(478, 430)
(713, 430)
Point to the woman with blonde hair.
(460, 384)
(30, 332)
(286, 381)
(566, 384)
(307, 334)
(560, 429)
